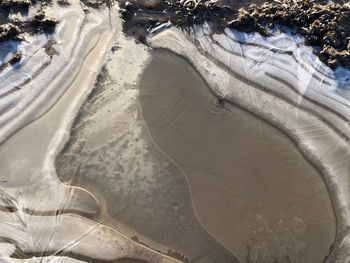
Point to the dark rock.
(15, 58)
(115, 47)
(9, 32)
(63, 2)
(40, 23)
(49, 49)
(96, 3)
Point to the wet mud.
(325, 25)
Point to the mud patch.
(325, 26)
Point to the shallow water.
(251, 188)
(143, 194)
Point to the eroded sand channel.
(252, 189)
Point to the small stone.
(40, 23)
(63, 2)
(8, 32)
(333, 64)
(15, 58)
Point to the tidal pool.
(252, 188)
(205, 181)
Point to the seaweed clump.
(324, 25)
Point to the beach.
(175, 141)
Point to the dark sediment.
(39, 23)
(49, 49)
(15, 3)
(12, 61)
(9, 32)
(63, 2)
(325, 26)
(15, 58)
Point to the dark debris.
(15, 58)
(9, 32)
(39, 23)
(324, 25)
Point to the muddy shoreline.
(325, 26)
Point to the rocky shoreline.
(325, 26)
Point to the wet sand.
(252, 189)
(110, 153)
(50, 219)
(148, 163)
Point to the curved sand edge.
(39, 80)
(32, 180)
(44, 219)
